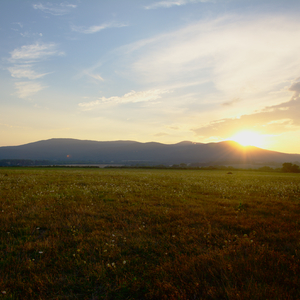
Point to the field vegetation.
(148, 234)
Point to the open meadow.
(74, 233)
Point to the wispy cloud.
(96, 28)
(238, 56)
(9, 125)
(24, 71)
(34, 52)
(28, 88)
(295, 87)
(18, 23)
(275, 119)
(27, 34)
(170, 3)
(55, 9)
(231, 102)
(24, 60)
(131, 97)
(95, 76)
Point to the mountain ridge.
(125, 151)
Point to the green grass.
(148, 234)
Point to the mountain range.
(131, 152)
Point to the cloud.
(34, 52)
(96, 28)
(95, 76)
(55, 9)
(9, 126)
(27, 34)
(24, 60)
(18, 23)
(24, 71)
(295, 87)
(170, 3)
(238, 55)
(131, 97)
(231, 102)
(27, 89)
(275, 119)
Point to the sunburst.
(248, 138)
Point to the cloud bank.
(241, 57)
(273, 120)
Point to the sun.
(248, 138)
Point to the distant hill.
(130, 152)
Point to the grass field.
(148, 234)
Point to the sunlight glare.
(248, 138)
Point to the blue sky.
(165, 71)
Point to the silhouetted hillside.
(130, 152)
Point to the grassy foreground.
(148, 234)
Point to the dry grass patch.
(148, 234)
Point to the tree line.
(286, 167)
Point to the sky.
(150, 70)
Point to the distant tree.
(160, 167)
(266, 169)
(290, 168)
(211, 168)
